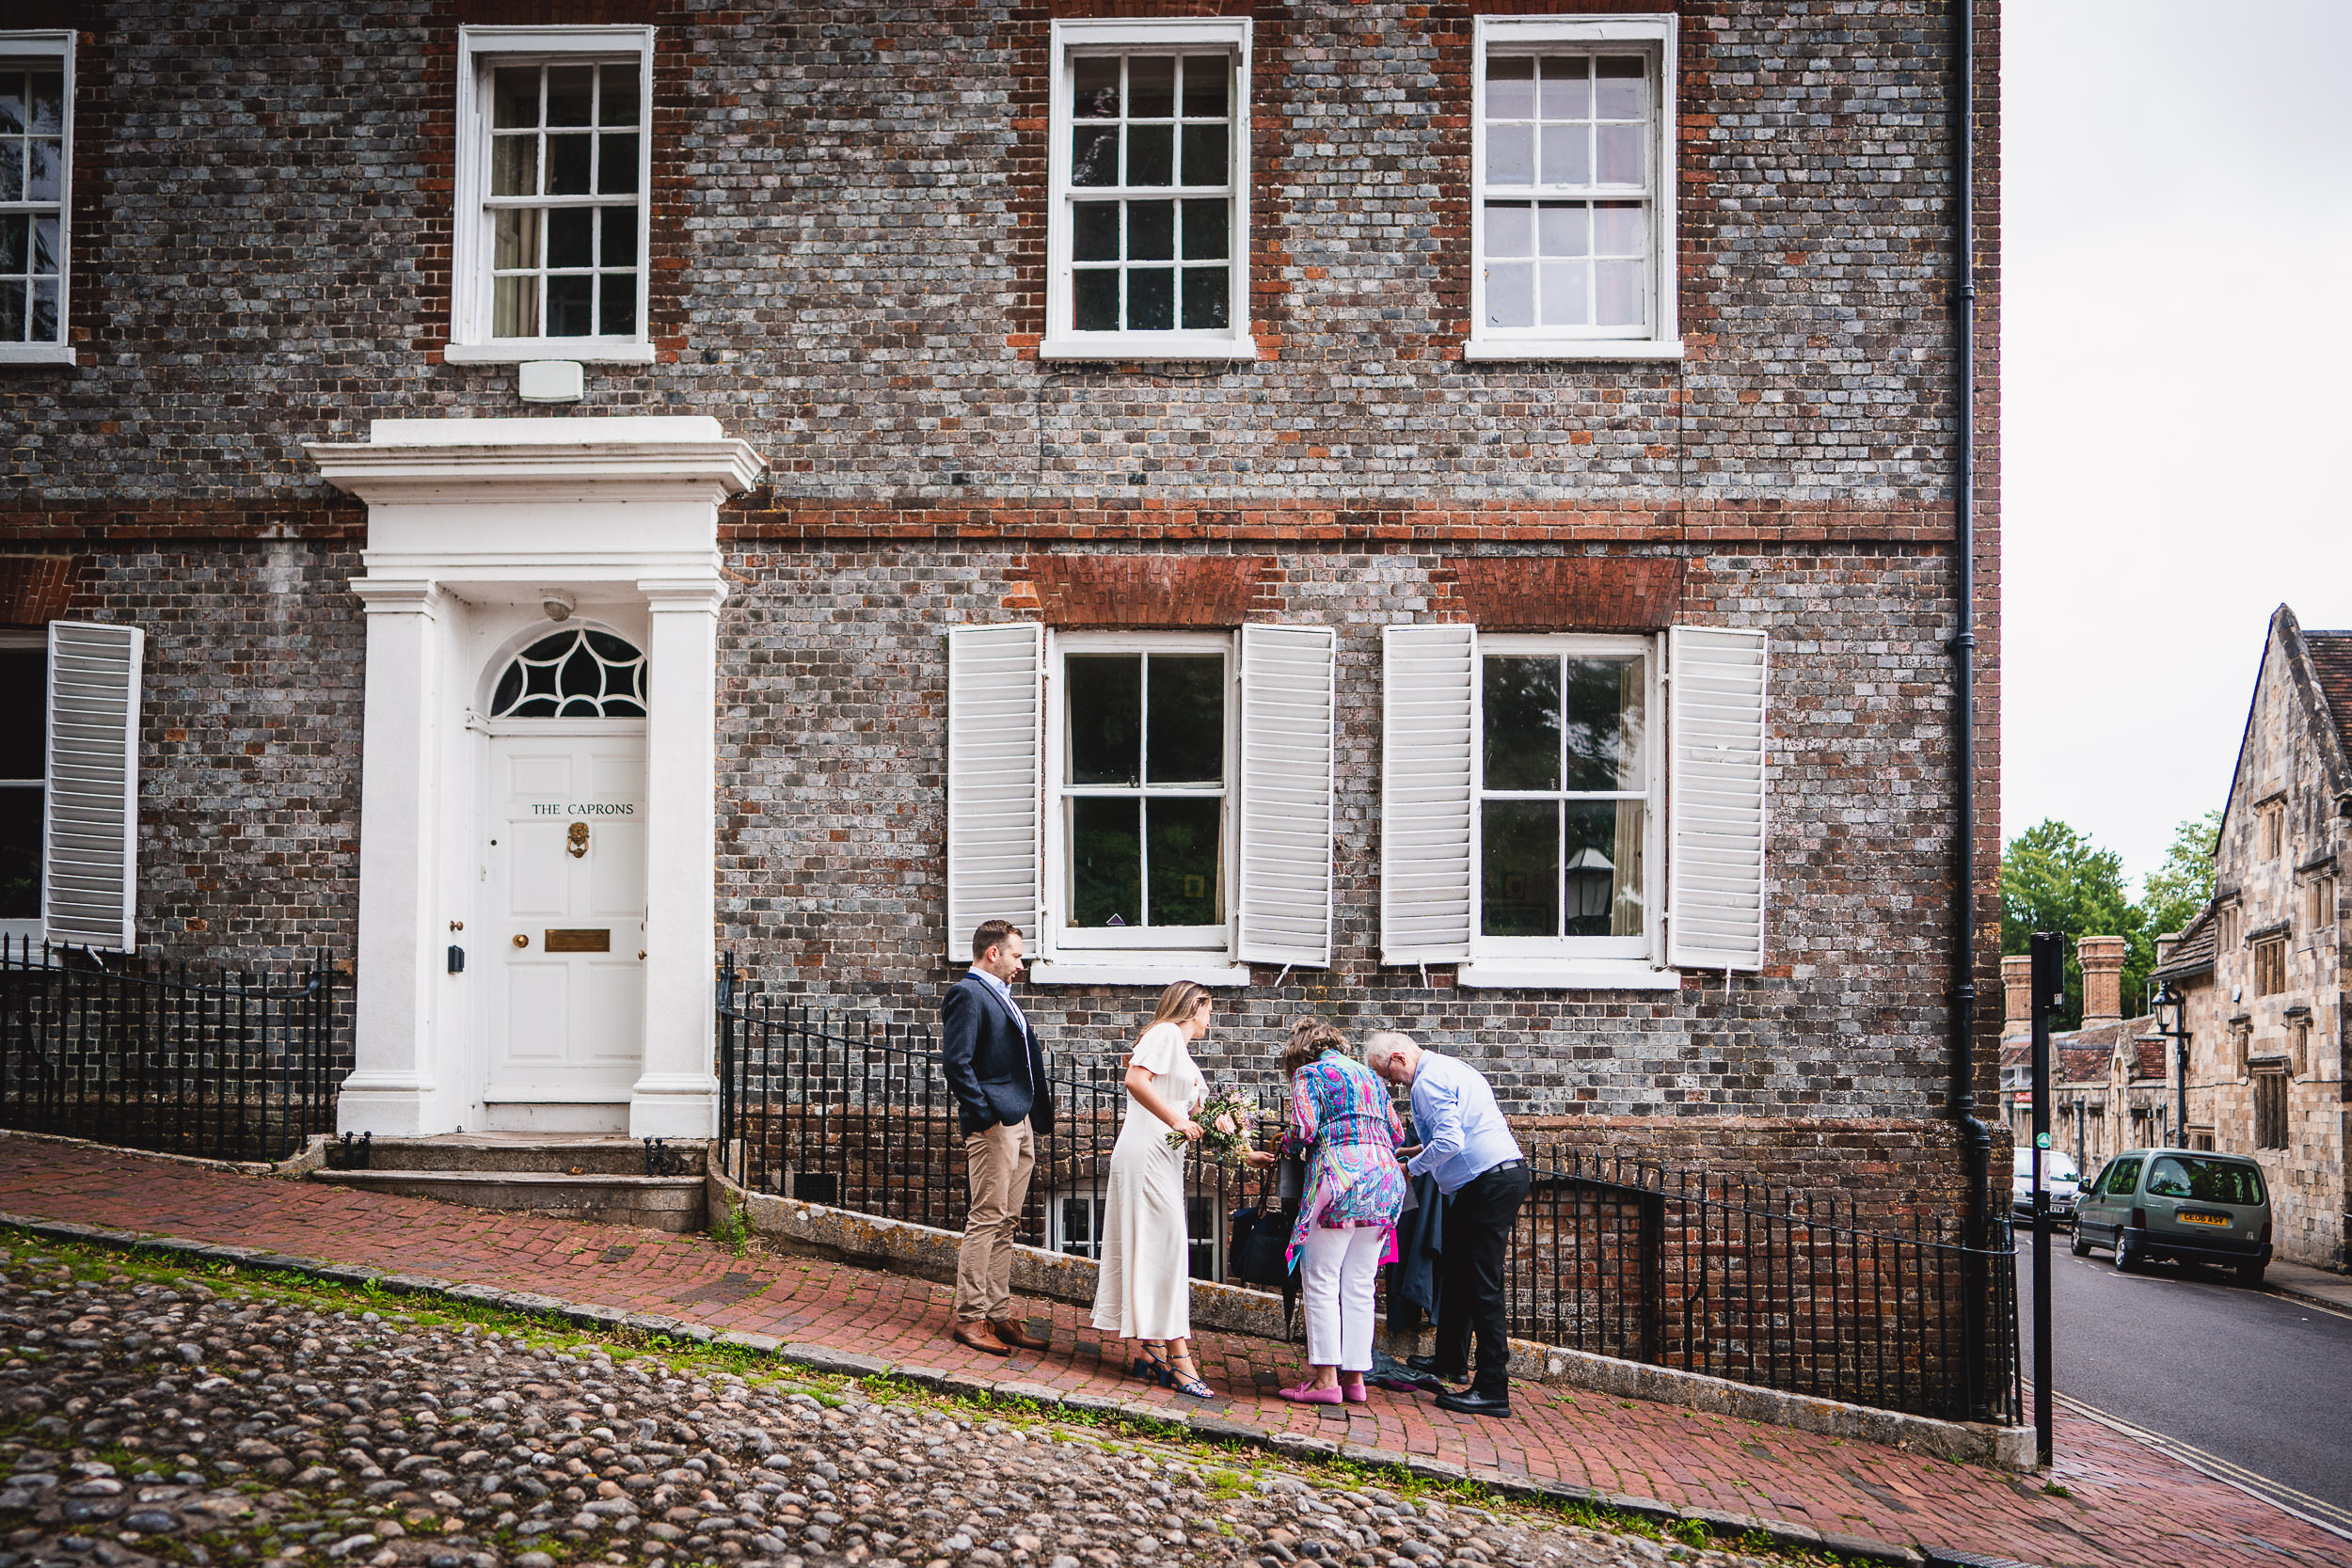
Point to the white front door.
(566, 907)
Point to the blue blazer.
(983, 1051)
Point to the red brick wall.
(33, 589)
(1143, 590)
(1569, 593)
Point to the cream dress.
(1143, 1289)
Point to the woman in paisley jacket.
(1344, 1122)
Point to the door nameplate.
(597, 941)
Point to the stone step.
(672, 1203)
(549, 1154)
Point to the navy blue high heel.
(1191, 1388)
(1152, 1369)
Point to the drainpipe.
(1976, 1138)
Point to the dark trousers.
(1478, 1221)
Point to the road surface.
(2256, 1380)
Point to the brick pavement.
(2128, 1504)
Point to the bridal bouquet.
(1227, 1120)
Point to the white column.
(393, 1082)
(677, 1096)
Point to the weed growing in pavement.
(2052, 1489)
(731, 1228)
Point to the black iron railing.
(1694, 1271)
(1712, 1275)
(146, 1053)
(851, 1111)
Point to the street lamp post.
(2171, 1008)
(2049, 990)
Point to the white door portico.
(486, 539)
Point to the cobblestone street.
(237, 1424)
(2114, 1500)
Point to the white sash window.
(1561, 812)
(1149, 220)
(35, 196)
(1147, 806)
(554, 163)
(70, 785)
(1572, 226)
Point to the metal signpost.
(2049, 990)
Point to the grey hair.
(1380, 1045)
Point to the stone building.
(1443, 515)
(2261, 970)
(2110, 1088)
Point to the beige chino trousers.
(997, 1161)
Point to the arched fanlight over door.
(575, 674)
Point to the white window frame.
(1073, 36)
(14, 790)
(1654, 37)
(40, 48)
(1622, 963)
(1147, 954)
(479, 49)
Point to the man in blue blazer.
(996, 1071)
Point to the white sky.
(2176, 343)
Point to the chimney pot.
(2016, 997)
(2102, 959)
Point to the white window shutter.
(995, 779)
(1288, 714)
(1428, 797)
(1716, 821)
(91, 832)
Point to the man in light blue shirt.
(1467, 1146)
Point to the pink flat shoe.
(1307, 1393)
(1355, 1393)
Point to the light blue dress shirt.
(1004, 994)
(1462, 1134)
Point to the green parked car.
(2183, 1204)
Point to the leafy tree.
(2178, 891)
(2052, 878)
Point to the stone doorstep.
(543, 1153)
(672, 1203)
(930, 1254)
(1202, 1424)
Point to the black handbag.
(1257, 1251)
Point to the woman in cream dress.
(1143, 1289)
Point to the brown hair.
(1310, 1036)
(1180, 1001)
(992, 933)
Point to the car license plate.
(2188, 1218)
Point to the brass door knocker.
(577, 837)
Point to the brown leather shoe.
(1016, 1333)
(977, 1335)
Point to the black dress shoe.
(1470, 1402)
(1429, 1364)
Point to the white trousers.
(1340, 1267)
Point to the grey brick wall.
(833, 711)
(849, 245)
(853, 199)
(249, 765)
